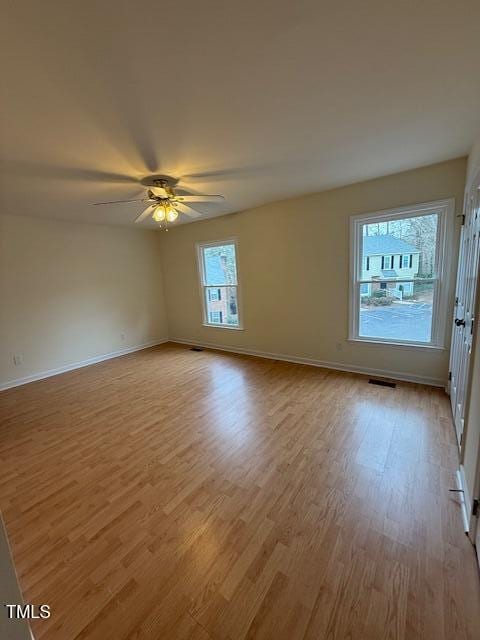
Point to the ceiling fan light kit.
(164, 205)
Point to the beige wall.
(293, 264)
(68, 291)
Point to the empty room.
(239, 320)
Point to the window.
(401, 301)
(219, 284)
(215, 317)
(214, 294)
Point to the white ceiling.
(256, 99)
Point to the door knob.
(459, 323)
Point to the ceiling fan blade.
(229, 173)
(145, 214)
(55, 172)
(206, 198)
(119, 201)
(187, 210)
(219, 173)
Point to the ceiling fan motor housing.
(159, 180)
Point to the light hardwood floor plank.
(211, 496)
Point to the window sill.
(402, 345)
(221, 326)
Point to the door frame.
(472, 527)
(460, 429)
(474, 183)
(474, 522)
(471, 521)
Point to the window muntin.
(407, 285)
(219, 284)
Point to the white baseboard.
(464, 497)
(382, 373)
(78, 365)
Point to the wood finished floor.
(170, 494)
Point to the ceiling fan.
(164, 204)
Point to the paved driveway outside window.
(400, 321)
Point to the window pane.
(222, 305)
(219, 265)
(400, 248)
(397, 311)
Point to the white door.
(477, 540)
(465, 299)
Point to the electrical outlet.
(122, 336)
(339, 346)
(18, 359)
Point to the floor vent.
(196, 349)
(382, 383)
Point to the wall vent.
(382, 383)
(196, 349)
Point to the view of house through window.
(397, 277)
(218, 266)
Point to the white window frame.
(200, 246)
(441, 279)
